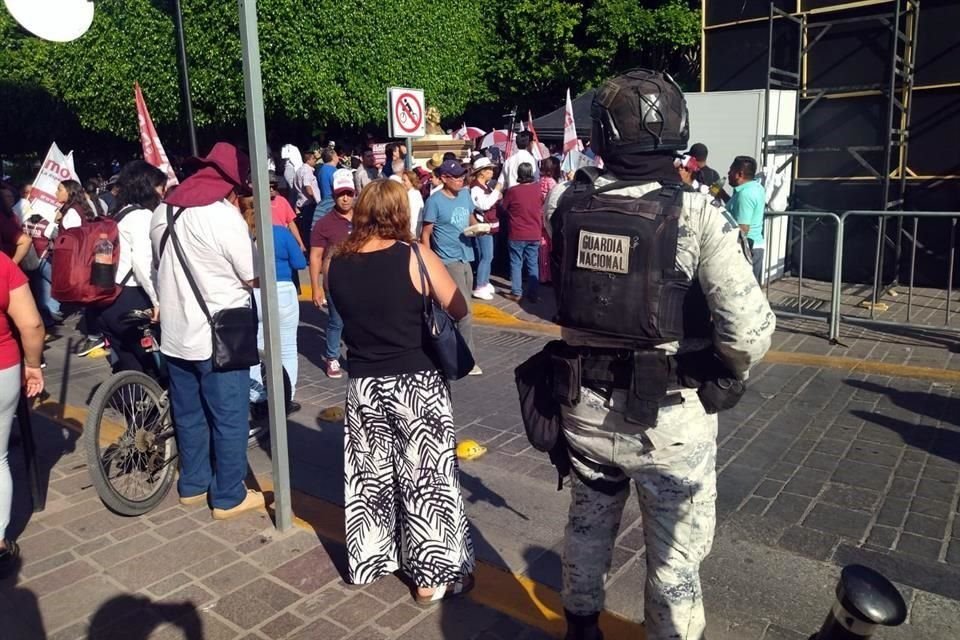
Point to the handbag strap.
(424, 280)
(171, 221)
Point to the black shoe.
(512, 297)
(258, 410)
(88, 345)
(10, 553)
(293, 407)
(583, 627)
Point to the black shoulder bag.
(234, 330)
(450, 350)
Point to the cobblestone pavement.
(819, 466)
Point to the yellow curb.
(512, 594)
(853, 365)
(487, 314)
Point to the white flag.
(56, 168)
(570, 140)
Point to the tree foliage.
(328, 62)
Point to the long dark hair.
(551, 167)
(92, 187)
(77, 199)
(5, 209)
(381, 211)
(138, 182)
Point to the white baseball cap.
(342, 181)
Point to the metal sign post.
(267, 268)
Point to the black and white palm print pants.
(404, 508)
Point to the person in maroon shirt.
(330, 231)
(523, 207)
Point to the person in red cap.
(210, 407)
(330, 231)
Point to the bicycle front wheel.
(131, 451)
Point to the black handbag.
(234, 330)
(450, 350)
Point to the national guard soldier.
(661, 320)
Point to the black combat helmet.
(640, 111)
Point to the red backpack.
(73, 257)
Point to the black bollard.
(30, 453)
(865, 600)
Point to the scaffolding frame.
(902, 22)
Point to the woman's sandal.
(461, 587)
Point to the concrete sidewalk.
(819, 466)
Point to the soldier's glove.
(718, 388)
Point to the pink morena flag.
(153, 151)
(530, 127)
(570, 140)
(536, 148)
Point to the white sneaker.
(476, 371)
(482, 294)
(489, 288)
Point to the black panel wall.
(935, 133)
(849, 54)
(733, 10)
(807, 5)
(841, 122)
(737, 55)
(938, 52)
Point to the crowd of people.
(381, 240)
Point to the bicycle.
(129, 435)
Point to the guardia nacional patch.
(603, 252)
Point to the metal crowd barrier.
(798, 244)
(834, 316)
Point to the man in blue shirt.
(747, 205)
(325, 171)
(445, 216)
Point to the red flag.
(530, 127)
(153, 151)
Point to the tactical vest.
(614, 264)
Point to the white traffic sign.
(406, 118)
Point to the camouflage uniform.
(674, 464)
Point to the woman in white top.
(485, 195)
(74, 205)
(411, 183)
(142, 186)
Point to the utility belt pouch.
(721, 393)
(716, 385)
(648, 387)
(566, 368)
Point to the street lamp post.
(184, 78)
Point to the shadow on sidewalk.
(52, 443)
(941, 442)
(136, 617)
(19, 608)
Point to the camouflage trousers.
(676, 484)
